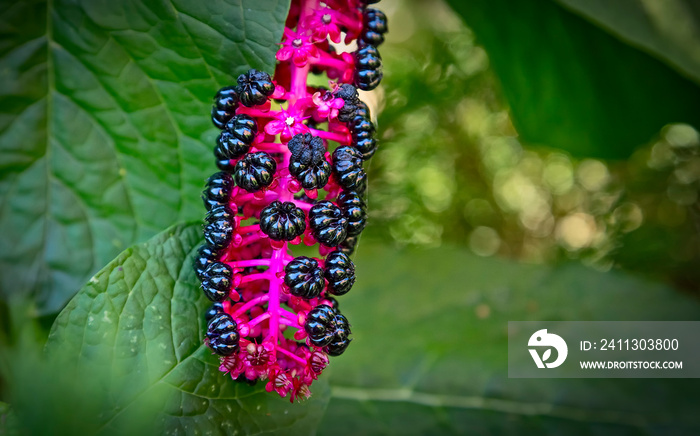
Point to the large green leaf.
(430, 350)
(134, 334)
(105, 137)
(573, 85)
(670, 29)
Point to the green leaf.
(669, 30)
(571, 84)
(105, 132)
(134, 333)
(8, 420)
(429, 354)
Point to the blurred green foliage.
(453, 169)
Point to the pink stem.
(248, 229)
(253, 277)
(257, 112)
(337, 137)
(257, 320)
(292, 355)
(254, 302)
(273, 147)
(247, 263)
(326, 60)
(250, 239)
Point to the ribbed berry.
(354, 209)
(222, 335)
(348, 245)
(243, 127)
(363, 110)
(214, 310)
(340, 340)
(304, 277)
(225, 103)
(219, 228)
(282, 221)
(205, 256)
(347, 165)
(320, 325)
(351, 98)
(362, 133)
(374, 27)
(368, 64)
(217, 190)
(255, 171)
(216, 283)
(308, 162)
(328, 224)
(254, 87)
(340, 273)
(235, 140)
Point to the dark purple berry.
(218, 233)
(205, 256)
(225, 103)
(353, 208)
(222, 335)
(217, 281)
(351, 98)
(236, 138)
(243, 127)
(214, 310)
(328, 224)
(218, 190)
(348, 245)
(219, 212)
(304, 277)
(363, 110)
(340, 340)
(320, 325)
(254, 87)
(368, 58)
(282, 221)
(308, 163)
(255, 171)
(347, 165)
(340, 273)
(375, 26)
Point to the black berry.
(368, 71)
(282, 221)
(375, 26)
(340, 273)
(225, 103)
(243, 127)
(348, 245)
(351, 98)
(214, 310)
(362, 133)
(347, 164)
(340, 340)
(308, 163)
(328, 223)
(216, 284)
(320, 325)
(353, 208)
(218, 234)
(254, 87)
(205, 256)
(218, 190)
(222, 335)
(304, 277)
(255, 171)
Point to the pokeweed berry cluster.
(291, 173)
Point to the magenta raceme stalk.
(291, 173)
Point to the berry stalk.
(291, 173)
